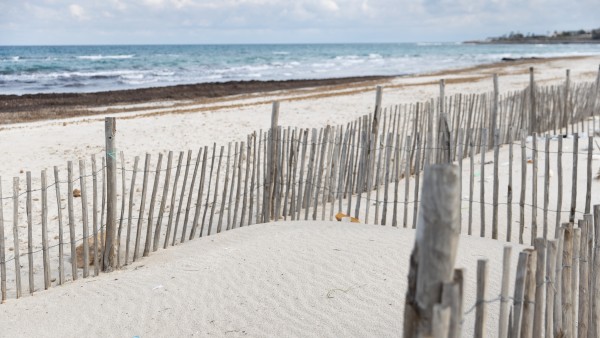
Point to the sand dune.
(300, 279)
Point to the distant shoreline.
(533, 42)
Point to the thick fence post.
(109, 261)
(432, 259)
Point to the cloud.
(78, 12)
(240, 21)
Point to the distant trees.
(515, 36)
(575, 35)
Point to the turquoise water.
(46, 69)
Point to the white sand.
(34, 146)
(292, 279)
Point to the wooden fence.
(556, 285)
(369, 169)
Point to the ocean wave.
(10, 59)
(347, 57)
(101, 57)
(429, 43)
(33, 69)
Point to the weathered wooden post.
(503, 327)
(495, 106)
(550, 286)
(594, 330)
(110, 131)
(271, 163)
(566, 102)
(373, 137)
(566, 292)
(481, 306)
(540, 279)
(432, 259)
(517, 310)
(529, 295)
(2, 254)
(584, 296)
(532, 112)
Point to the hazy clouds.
(256, 21)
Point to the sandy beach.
(288, 279)
(278, 279)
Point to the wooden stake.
(224, 197)
(517, 317)
(559, 191)
(214, 204)
(546, 184)
(483, 142)
(471, 182)
(481, 307)
(575, 277)
(523, 184)
(29, 211)
(584, 296)
(182, 195)
(163, 202)
(540, 279)
(188, 206)
(109, 260)
(123, 203)
(496, 178)
(46, 256)
(574, 185)
(588, 190)
(72, 235)
(534, 177)
(550, 286)
(567, 296)
(173, 199)
(2, 250)
(96, 249)
(199, 198)
(595, 288)
(503, 328)
(509, 195)
(212, 166)
(142, 207)
(130, 212)
(84, 215)
(151, 209)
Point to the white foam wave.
(101, 57)
(429, 43)
(281, 53)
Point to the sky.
(64, 22)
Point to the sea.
(66, 69)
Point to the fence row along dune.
(368, 170)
